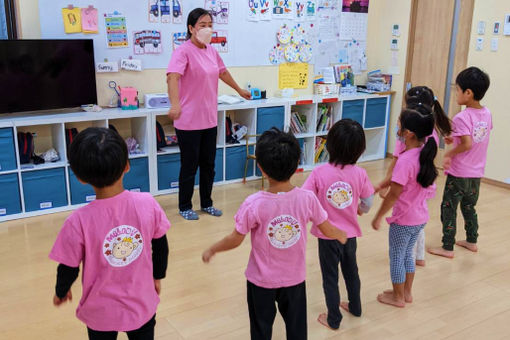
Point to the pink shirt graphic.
(400, 146)
(112, 238)
(277, 223)
(411, 207)
(339, 191)
(476, 123)
(198, 87)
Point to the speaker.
(157, 100)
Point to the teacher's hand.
(175, 112)
(245, 94)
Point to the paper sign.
(72, 20)
(131, 64)
(89, 20)
(293, 75)
(116, 30)
(107, 67)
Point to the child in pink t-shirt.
(277, 220)
(412, 183)
(465, 162)
(339, 186)
(120, 240)
(421, 99)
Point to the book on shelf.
(321, 154)
(324, 120)
(298, 123)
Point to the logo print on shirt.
(480, 132)
(339, 195)
(122, 245)
(283, 231)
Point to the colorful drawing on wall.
(355, 6)
(147, 42)
(277, 55)
(265, 10)
(165, 10)
(89, 20)
(311, 9)
(176, 11)
(300, 9)
(220, 41)
(284, 34)
(327, 4)
(292, 53)
(305, 52)
(219, 11)
(72, 19)
(116, 30)
(154, 13)
(283, 9)
(253, 10)
(297, 34)
(178, 38)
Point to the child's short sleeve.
(317, 213)
(221, 65)
(367, 189)
(244, 219)
(161, 222)
(401, 172)
(460, 126)
(69, 246)
(310, 183)
(178, 62)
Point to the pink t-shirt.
(476, 123)
(411, 207)
(277, 223)
(112, 237)
(339, 191)
(198, 87)
(400, 146)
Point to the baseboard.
(496, 183)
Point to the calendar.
(354, 26)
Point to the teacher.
(192, 78)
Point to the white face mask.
(204, 35)
(399, 137)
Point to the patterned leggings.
(402, 240)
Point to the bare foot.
(407, 296)
(468, 245)
(389, 299)
(420, 263)
(439, 251)
(345, 306)
(323, 320)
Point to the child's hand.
(58, 301)
(157, 286)
(343, 237)
(448, 140)
(207, 255)
(384, 193)
(376, 223)
(360, 213)
(447, 162)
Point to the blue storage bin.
(44, 189)
(137, 179)
(267, 117)
(235, 161)
(10, 202)
(353, 109)
(218, 168)
(80, 193)
(7, 153)
(376, 112)
(168, 171)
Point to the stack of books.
(298, 123)
(321, 154)
(324, 120)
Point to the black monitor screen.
(46, 74)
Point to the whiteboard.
(248, 42)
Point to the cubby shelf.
(31, 190)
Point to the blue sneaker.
(213, 211)
(189, 215)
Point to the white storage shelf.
(16, 179)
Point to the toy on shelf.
(129, 98)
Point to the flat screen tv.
(46, 74)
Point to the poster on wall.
(219, 11)
(355, 6)
(89, 20)
(283, 9)
(178, 38)
(147, 42)
(153, 11)
(116, 30)
(220, 41)
(253, 10)
(72, 19)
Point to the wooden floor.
(464, 298)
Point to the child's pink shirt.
(112, 239)
(278, 227)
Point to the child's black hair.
(193, 18)
(422, 126)
(278, 154)
(422, 99)
(475, 80)
(345, 142)
(98, 156)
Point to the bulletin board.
(248, 32)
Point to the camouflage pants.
(464, 191)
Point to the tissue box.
(128, 98)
